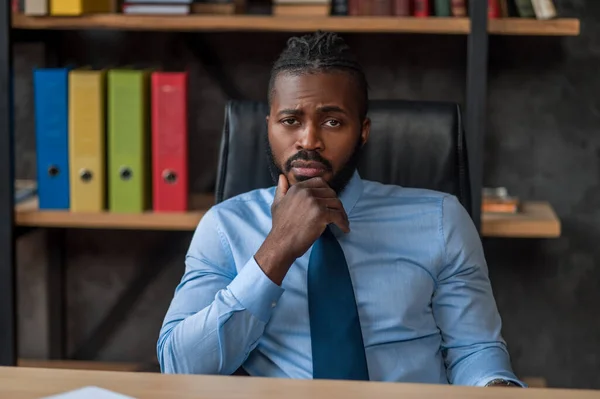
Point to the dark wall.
(541, 144)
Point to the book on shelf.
(458, 8)
(402, 8)
(24, 190)
(35, 7)
(314, 8)
(497, 200)
(421, 8)
(153, 7)
(442, 8)
(80, 7)
(219, 7)
(493, 9)
(544, 9)
(524, 8)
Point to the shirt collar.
(351, 193)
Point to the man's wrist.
(271, 258)
(255, 291)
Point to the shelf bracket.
(476, 96)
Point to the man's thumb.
(282, 187)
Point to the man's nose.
(310, 138)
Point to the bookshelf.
(431, 25)
(538, 219)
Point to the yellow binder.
(79, 7)
(87, 135)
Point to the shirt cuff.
(255, 291)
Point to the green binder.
(128, 141)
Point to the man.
(327, 275)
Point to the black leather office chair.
(412, 144)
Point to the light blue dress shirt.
(424, 299)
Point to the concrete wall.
(544, 113)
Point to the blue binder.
(50, 87)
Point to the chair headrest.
(412, 143)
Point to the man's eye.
(333, 123)
(289, 121)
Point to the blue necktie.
(338, 351)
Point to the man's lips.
(308, 168)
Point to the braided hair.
(321, 52)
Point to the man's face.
(314, 127)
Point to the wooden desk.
(30, 383)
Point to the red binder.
(169, 141)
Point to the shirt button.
(273, 304)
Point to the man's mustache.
(304, 155)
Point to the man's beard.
(339, 180)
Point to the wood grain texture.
(534, 27)
(79, 365)
(380, 24)
(247, 23)
(30, 383)
(536, 219)
(27, 214)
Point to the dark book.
(459, 8)
(339, 7)
(442, 8)
(381, 7)
(402, 8)
(421, 8)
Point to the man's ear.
(365, 131)
(267, 119)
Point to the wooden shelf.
(536, 220)
(27, 214)
(431, 25)
(534, 27)
(247, 23)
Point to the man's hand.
(300, 215)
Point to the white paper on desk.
(89, 393)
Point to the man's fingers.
(282, 187)
(333, 203)
(338, 218)
(315, 182)
(322, 192)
